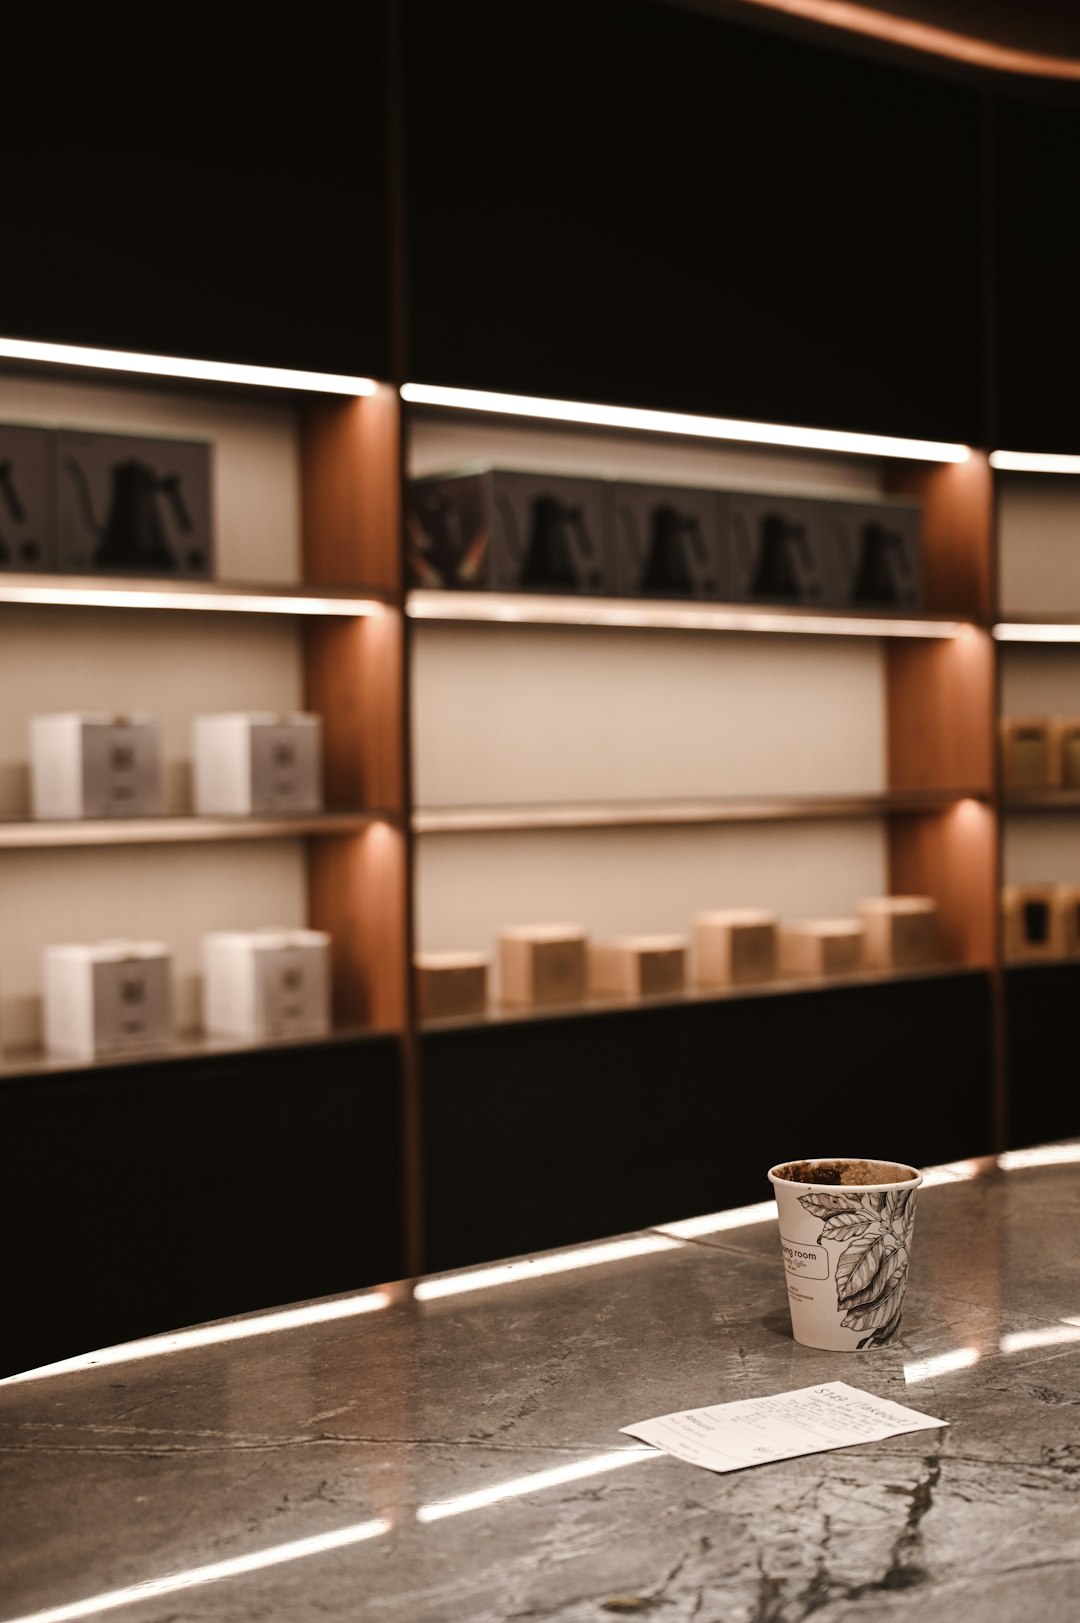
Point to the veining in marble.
(471, 1440)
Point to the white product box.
(256, 762)
(637, 966)
(266, 983)
(451, 983)
(95, 765)
(108, 997)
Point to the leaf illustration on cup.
(871, 1271)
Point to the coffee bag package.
(776, 549)
(667, 542)
(133, 506)
(27, 498)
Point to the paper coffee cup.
(845, 1234)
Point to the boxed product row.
(1040, 752)
(557, 963)
(1040, 921)
(509, 531)
(115, 997)
(101, 765)
(118, 504)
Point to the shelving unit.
(494, 758)
(259, 1171)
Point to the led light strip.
(135, 596)
(177, 366)
(210, 1335)
(1034, 462)
(235, 1567)
(908, 32)
(526, 609)
(673, 422)
(1016, 631)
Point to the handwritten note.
(754, 1431)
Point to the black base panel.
(143, 1198)
(1041, 1004)
(541, 1133)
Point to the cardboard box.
(266, 983)
(1065, 752)
(822, 947)
(95, 765)
(667, 542)
(901, 931)
(133, 506)
(1033, 924)
(511, 532)
(1067, 909)
(450, 983)
(258, 762)
(1028, 758)
(109, 997)
(775, 547)
(27, 498)
(874, 557)
(734, 946)
(637, 966)
(542, 963)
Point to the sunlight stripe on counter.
(555, 1262)
(517, 1487)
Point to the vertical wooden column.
(356, 678)
(942, 728)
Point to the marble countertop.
(449, 1449)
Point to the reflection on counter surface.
(302, 1462)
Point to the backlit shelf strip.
(18, 1062)
(80, 591)
(1034, 462)
(1037, 630)
(637, 420)
(180, 366)
(29, 836)
(1042, 800)
(672, 813)
(521, 608)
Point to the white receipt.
(753, 1431)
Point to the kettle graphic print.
(134, 534)
(777, 557)
(559, 555)
(672, 560)
(881, 569)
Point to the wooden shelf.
(522, 608)
(1041, 800)
(675, 813)
(36, 1062)
(112, 831)
(498, 1014)
(200, 596)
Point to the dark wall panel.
(205, 180)
(1037, 229)
(622, 201)
(142, 1198)
(1040, 1011)
(543, 1133)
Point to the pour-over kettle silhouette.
(134, 534)
(677, 564)
(778, 559)
(559, 556)
(26, 551)
(882, 572)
